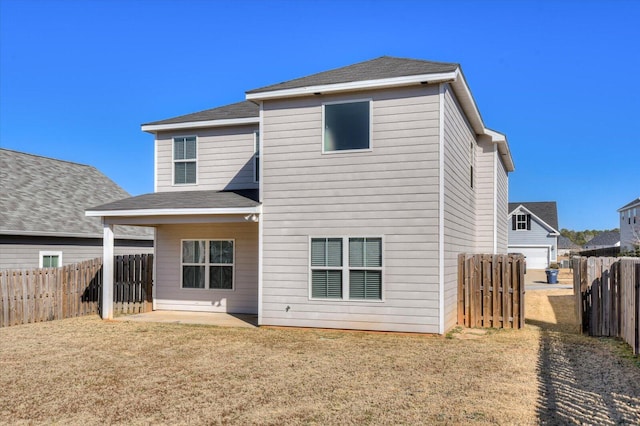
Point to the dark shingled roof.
(374, 69)
(607, 238)
(244, 109)
(545, 210)
(566, 243)
(45, 196)
(185, 200)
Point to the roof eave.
(174, 212)
(70, 235)
(630, 205)
(552, 230)
(503, 147)
(354, 86)
(155, 128)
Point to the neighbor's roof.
(383, 67)
(633, 203)
(607, 238)
(45, 196)
(244, 109)
(566, 243)
(182, 200)
(545, 210)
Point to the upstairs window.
(50, 259)
(184, 160)
(256, 157)
(346, 126)
(521, 222)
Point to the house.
(630, 226)
(604, 239)
(42, 220)
(533, 231)
(566, 246)
(337, 200)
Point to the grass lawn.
(89, 371)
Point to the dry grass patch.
(88, 371)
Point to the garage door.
(537, 257)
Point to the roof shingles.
(545, 210)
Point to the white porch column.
(107, 272)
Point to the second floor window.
(256, 157)
(184, 160)
(521, 222)
(346, 126)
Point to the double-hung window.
(184, 160)
(207, 264)
(256, 157)
(521, 222)
(346, 126)
(50, 259)
(346, 268)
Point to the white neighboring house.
(630, 225)
(533, 231)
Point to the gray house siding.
(537, 237)
(224, 159)
(485, 186)
(27, 256)
(168, 292)
(629, 227)
(502, 206)
(459, 198)
(389, 192)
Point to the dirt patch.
(88, 371)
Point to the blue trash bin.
(552, 276)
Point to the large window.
(340, 262)
(184, 160)
(347, 126)
(207, 264)
(50, 259)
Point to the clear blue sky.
(560, 78)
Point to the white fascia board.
(503, 147)
(69, 235)
(152, 128)
(630, 206)
(355, 85)
(173, 212)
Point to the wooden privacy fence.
(35, 295)
(607, 291)
(491, 291)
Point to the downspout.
(261, 221)
(441, 211)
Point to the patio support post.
(107, 272)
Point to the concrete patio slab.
(203, 318)
(536, 279)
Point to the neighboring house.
(630, 226)
(337, 200)
(603, 240)
(42, 220)
(566, 246)
(533, 231)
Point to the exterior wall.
(459, 199)
(502, 206)
(629, 228)
(485, 188)
(390, 191)
(27, 256)
(168, 293)
(224, 159)
(538, 236)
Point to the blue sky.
(560, 78)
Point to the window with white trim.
(184, 160)
(338, 263)
(256, 157)
(207, 264)
(50, 259)
(521, 222)
(346, 126)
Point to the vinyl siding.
(485, 187)
(459, 199)
(224, 159)
(27, 256)
(502, 206)
(390, 192)
(537, 236)
(170, 296)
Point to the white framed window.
(521, 222)
(347, 268)
(346, 126)
(471, 162)
(50, 259)
(207, 264)
(256, 156)
(185, 152)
